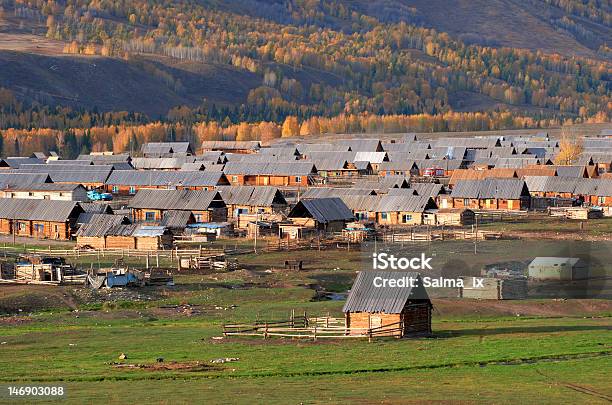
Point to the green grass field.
(528, 351)
(473, 357)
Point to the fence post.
(315, 332)
(266, 331)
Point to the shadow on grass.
(518, 330)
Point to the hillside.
(269, 60)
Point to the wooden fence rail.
(311, 328)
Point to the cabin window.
(383, 215)
(39, 228)
(198, 217)
(234, 179)
(406, 217)
(260, 210)
(31, 194)
(298, 179)
(21, 226)
(150, 216)
(466, 201)
(115, 189)
(601, 200)
(132, 190)
(240, 211)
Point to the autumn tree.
(570, 147)
(291, 127)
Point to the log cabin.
(491, 194)
(42, 219)
(252, 200)
(403, 210)
(325, 214)
(276, 173)
(128, 182)
(372, 306)
(46, 191)
(150, 205)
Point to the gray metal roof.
(99, 224)
(263, 196)
(320, 192)
(176, 219)
(293, 168)
(168, 163)
(405, 203)
(166, 178)
(162, 149)
(553, 184)
(14, 179)
(184, 200)
(323, 210)
(509, 189)
(366, 297)
(39, 210)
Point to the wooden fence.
(421, 236)
(311, 328)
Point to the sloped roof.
(323, 210)
(320, 192)
(299, 168)
(166, 178)
(176, 219)
(99, 224)
(410, 203)
(39, 210)
(490, 188)
(251, 195)
(185, 200)
(366, 297)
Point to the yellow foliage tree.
(291, 127)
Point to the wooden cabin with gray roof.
(373, 303)
(323, 214)
(42, 219)
(244, 200)
(491, 194)
(150, 205)
(128, 182)
(280, 174)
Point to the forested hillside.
(233, 61)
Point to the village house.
(93, 233)
(128, 182)
(372, 304)
(553, 187)
(403, 210)
(43, 219)
(491, 194)
(449, 217)
(296, 174)
(150, 205)
(46, 191)
(324, 214)
(242, 200)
